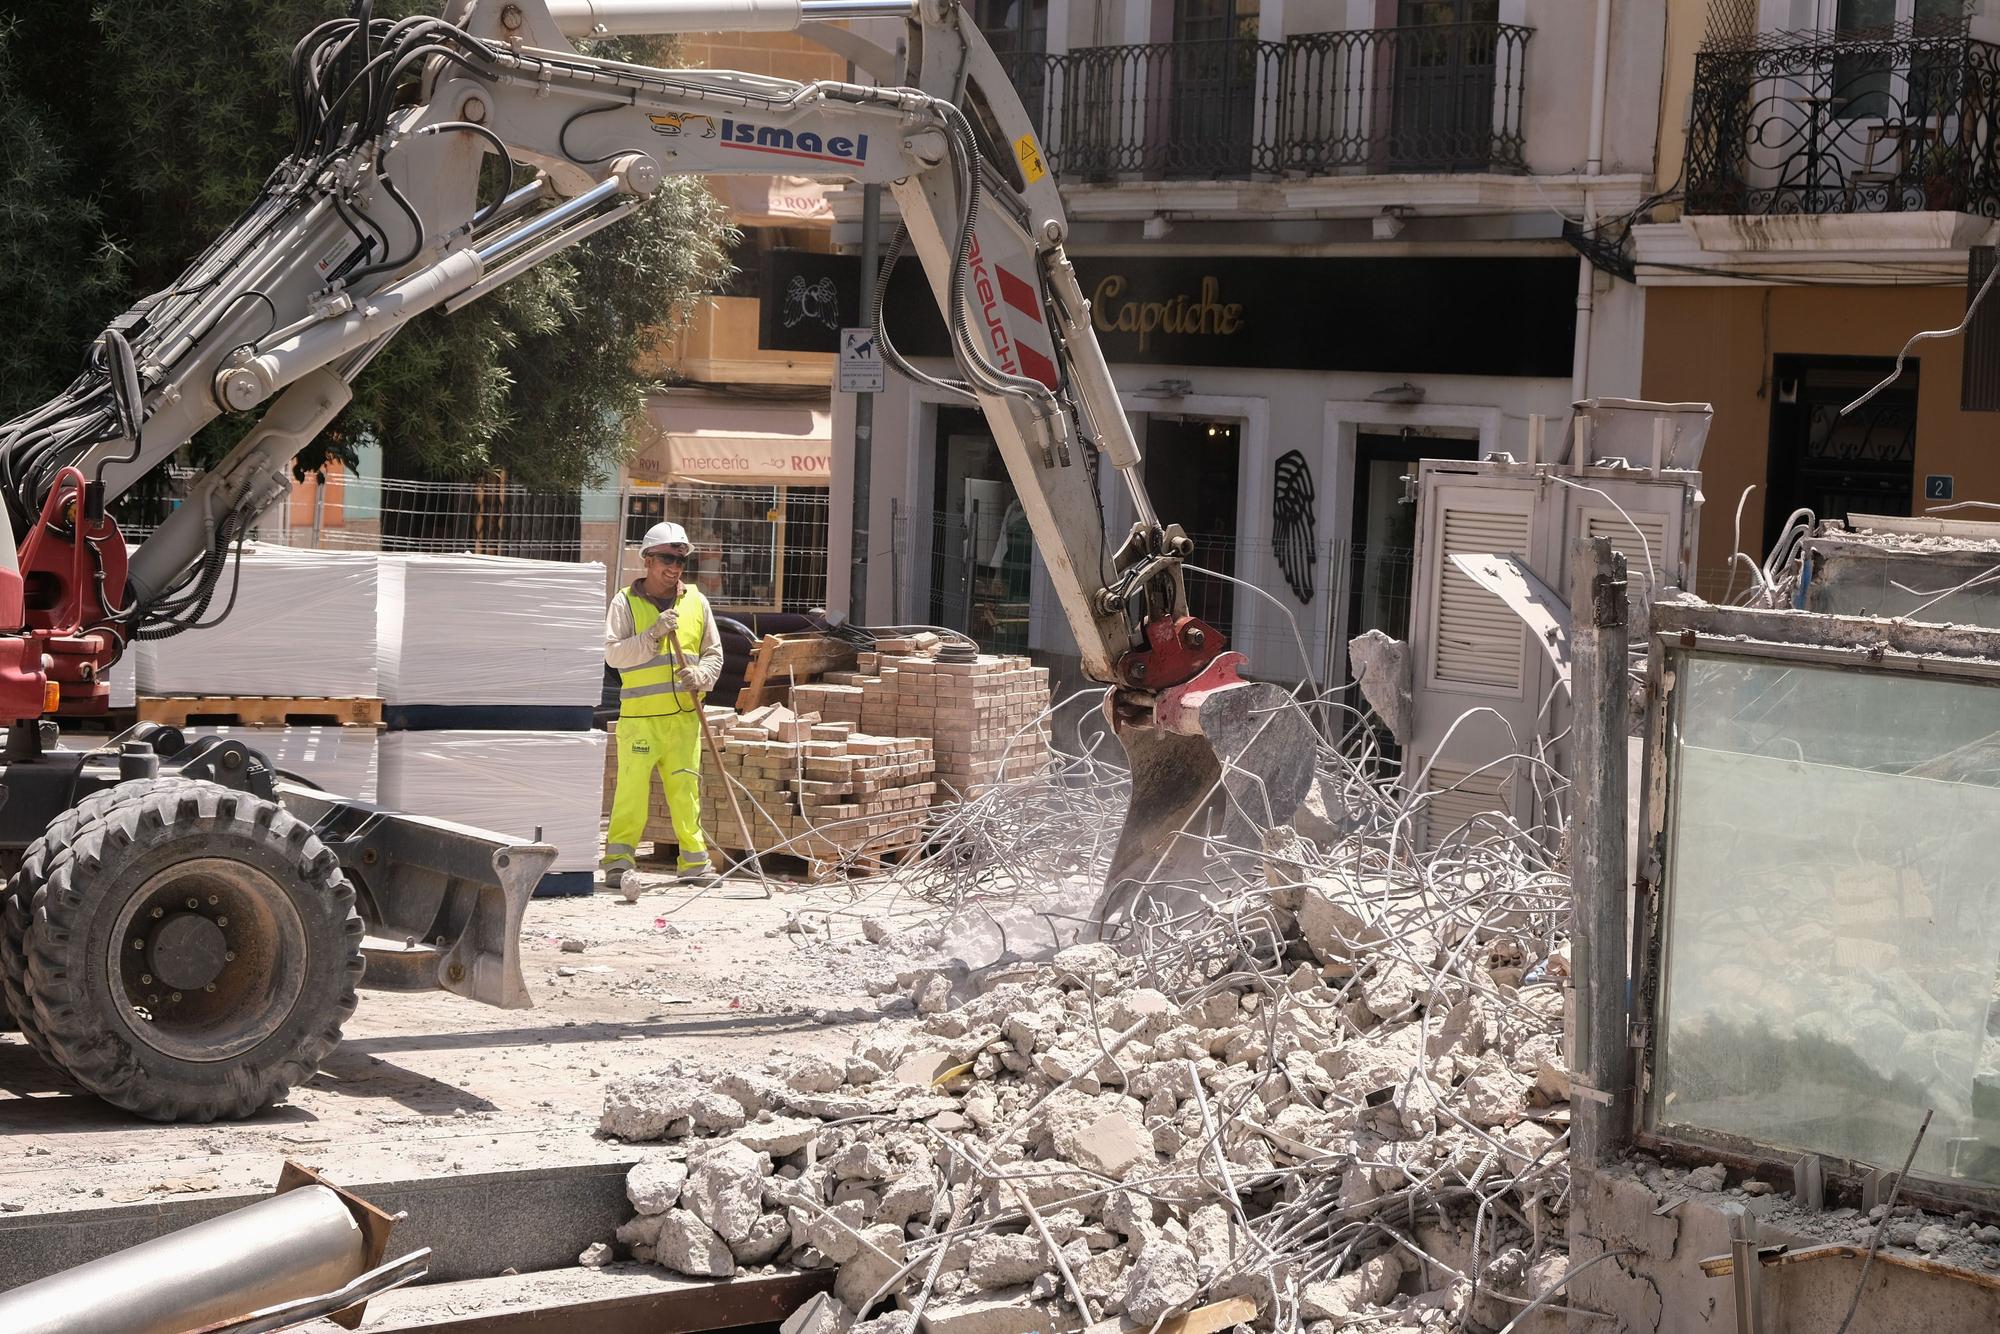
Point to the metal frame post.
(1599, 911)
(864, 413)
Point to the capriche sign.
(1205, 313)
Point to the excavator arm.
(376, 218)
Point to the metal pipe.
(514, 203)
(864, 411)
(638, 18)
(297, 1245)
(528, 259)
(1586, 281)
(555, 217)
(1598, 917)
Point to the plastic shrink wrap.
(490, 630)
(510, 782)
(343, 760)
(302, 624)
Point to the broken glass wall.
(1830, 939)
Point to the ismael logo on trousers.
(741, 134)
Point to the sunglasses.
(667, 558)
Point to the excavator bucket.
(442, 903)
(1219, 762)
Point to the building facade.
(737, 447)
(1322, 240)
(1838, 172)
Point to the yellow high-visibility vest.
(651, 689)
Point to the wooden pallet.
(777, 662)
(259, 711)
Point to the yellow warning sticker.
(1030, 158)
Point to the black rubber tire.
(27, 880)
(100, 1039)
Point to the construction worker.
(659, 706)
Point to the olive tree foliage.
(132, 132)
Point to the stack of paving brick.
(984, 717)
(823, 791)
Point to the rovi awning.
(782, 444)
(768, 199)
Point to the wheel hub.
(209, 958)
(188, 951)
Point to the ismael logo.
(750, 138)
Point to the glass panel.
(1830, 939)
(1382, 591)
(1863, 15)
(982, 550)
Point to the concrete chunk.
(822, 1313)
(1160, 1282)
(876, 1260)
(655, 1186)
(1495, 1095)
(768, 1236)
(1002, 1261)
(779, 1136)
(1010, 1312)
(1109, 1137)
(1339, 1299)
(688, 1246)
(812, 1074)
(725, 1189)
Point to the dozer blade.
(442, 902)
(1219, 762)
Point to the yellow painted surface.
(1711, 344)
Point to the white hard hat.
(665, 535)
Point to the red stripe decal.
(1018, 294)
(794, 152)
(1037, 366)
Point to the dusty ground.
(430, 1083)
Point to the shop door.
(1444, 84)
(981, 549)
(1191, 474)
(1835, 465)
(1383, 532)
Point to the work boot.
(703, 876)
(614, 876)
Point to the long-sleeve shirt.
(625, 648)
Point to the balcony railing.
(1898, 121)
(1445, 97)
(1438, 98)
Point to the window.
(1868, 84)
(1014, 27)
(1831, 914)
(750, 257)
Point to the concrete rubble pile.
(1336, 1103)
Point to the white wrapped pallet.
(123, 679)
(343, 760)
(303, 624)
(490, 630)
(509, 782)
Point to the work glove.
(690, 680)
(666, 625)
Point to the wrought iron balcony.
(1897, 121)
(1164, 109)
(1443, 97)
(1437, 98)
